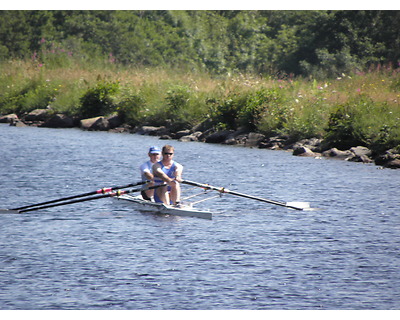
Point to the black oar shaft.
(100, 191)
(223, 190)
(114, 194)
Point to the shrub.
(341, 131)
(99, 100)
(131, 108)
(364, 122)
(27, 96)
(183, 107)
(257, 106)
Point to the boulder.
(254, 139)
(191, 137)
(181, 134)
(37, 115)
(303, 151)
(114, 121)
(96, 123)
(9, 118)
(18, 123)
(388, 159)
(393, 164)
(273, 143)
(152, 131)
(361, 151)
(359, 158)
(219, 136)
(338, 154)
(59, 121)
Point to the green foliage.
(99, 100)
(132, 108)
(257, 106)
(26, 96)
(183, 107)
(363, 122)
(225, 112)
(341, 131)
(317, 43)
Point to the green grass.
(357, 109)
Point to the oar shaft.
(100, 191)
(223, 190)
(114, 194)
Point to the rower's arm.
(159, 173)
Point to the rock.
(114, 121)
(59, 121)
(125, 128)
(359, 158)
(96, 123)
(9, 118)
(37, 115)
(191, 137)
(303, 151)
(361, 151)
(254, 139)
(152, 131)
(182, 133)
(18, 123)
(188, 138)
(219, 137)
(393, 164)
(388, 157)
(165, 137)
(338, 154)
(273, 143)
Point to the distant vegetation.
(330, 74)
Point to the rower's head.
(154, 153)
(168, 151)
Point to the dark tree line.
(318, 43)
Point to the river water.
(252, 255)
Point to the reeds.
(364, 105)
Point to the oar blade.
(298, 205)
(8, 211)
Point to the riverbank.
(313, 147)
(311, 117)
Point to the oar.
(292, 205)
(99, 191)
(114, 194)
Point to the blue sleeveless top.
(169, 172)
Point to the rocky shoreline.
(305, 148)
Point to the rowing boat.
(184, 210)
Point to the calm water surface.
(252, 255)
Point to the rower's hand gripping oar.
(99, 191)
(292, 205)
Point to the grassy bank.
(358, 109)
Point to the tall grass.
(361, 108)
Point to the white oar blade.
(299, 205)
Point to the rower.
(146, 171)
(169, 171)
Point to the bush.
(99, 100)
(364, 122)
(27, 96)
(131, 109)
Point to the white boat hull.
(149, 206)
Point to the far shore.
(313, 147)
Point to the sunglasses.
(168, 153)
